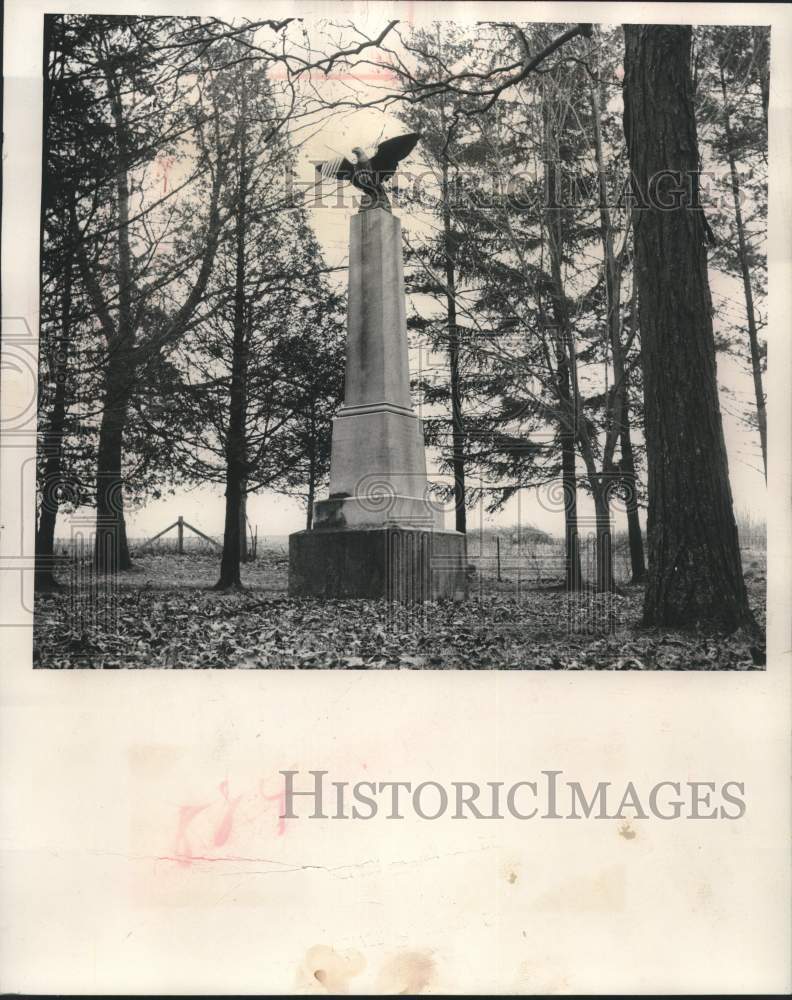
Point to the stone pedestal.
(398, 564)
(378, 534)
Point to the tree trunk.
(564, 388)
(573, 577)
(232, 534)
(235, 436)
(51, 448)
(309, 507)
(457, 421)
(627, 467)
(604, 546)
(111, 551)
(235, 467)
(619, 401)
(52, 443)
(695, 571)
(753, 337)
(44, 578)
(244, 553)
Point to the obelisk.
(378, 534)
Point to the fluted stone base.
(398, 564)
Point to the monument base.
(399, 564)
(377, 510)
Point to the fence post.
(180, 526)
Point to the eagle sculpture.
(369, 174)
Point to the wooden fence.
(180, 525)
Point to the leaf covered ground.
(163, 614)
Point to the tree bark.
(309, 507)
(573, 576)
(52, 443)
(604, 552)
(457, 420)
(235, 435)
(235, 472)
(111, 550)
(753, 337)
(627, 468)
(564, 385)
(619, 401)
(244, 552)
(695, 571)
(634, 534)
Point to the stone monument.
(378, 534)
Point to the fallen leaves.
(156, 618)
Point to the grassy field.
(163, 613)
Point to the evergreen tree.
(695, 571)
(262, 363)
(730, 87)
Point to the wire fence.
(502, 555)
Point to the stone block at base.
(399, 564)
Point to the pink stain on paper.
(280, 798)
(224, 828)
(182, 848)
(223, 831)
